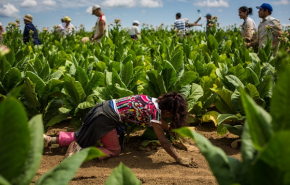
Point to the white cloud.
(212, 3)
(49, 3)
(220, 10)
(184, 1)
(151, 3)
(8, 10)
(286, 25)
(28, 3)
(133, 3)
(281, 2)
(143, 11)
(119, 3)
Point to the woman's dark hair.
(176, 105)
(246, 9)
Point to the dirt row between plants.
(152, 166)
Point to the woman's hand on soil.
(188, 162)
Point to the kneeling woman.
(103, 119)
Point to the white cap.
(94, 8)
(136, 22)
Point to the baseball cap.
(94, 8)
(208, 15)
(265, 6)
(136, 22)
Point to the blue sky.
(47, 13)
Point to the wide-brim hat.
(95, 7)
(66, 18)
(28, 17)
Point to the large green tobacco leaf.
(280, 103)
(4, 67)
(15, 138)
(206, 83)
(127, 72)
(116, 79)
(265, 89)
(251, 77)
(187, 78)
(122, 175)
(74, 90)
(223, 102)
(225, 169)
(157, 80)
(3, 181)
(169, 74)
(238, 71)
(33, 159)
(29, 94)
(38, 82)
(235, 81)
(276, 154)
(63, 173)
(11, 79)
(89, 103)
(122, 92)
(82, 77)
(53, 87)
(259, 122)
(177, 60)
(212, 43)
(195, 92)
(229, 117)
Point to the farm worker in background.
(268, 26)
(210, 23)
(134, 31)
(103, 119)
(101, 26)
(29, 29)
(66, 28)
(249, 29)
(1, 32)
(179, 24)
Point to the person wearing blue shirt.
(30, 29)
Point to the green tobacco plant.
(122, 175)
(257, 81)
(265, 159)
(21, 144)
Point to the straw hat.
(66, 18)
(28, 17)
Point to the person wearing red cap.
(101, 27)
(268, 26)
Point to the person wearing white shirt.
(134, 31)
(101, 27)
(249, 28)
(66, 28)
(1, 32)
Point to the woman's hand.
(188, 162)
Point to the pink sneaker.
(46, 141)
(73, 148)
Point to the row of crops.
(63, 78)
